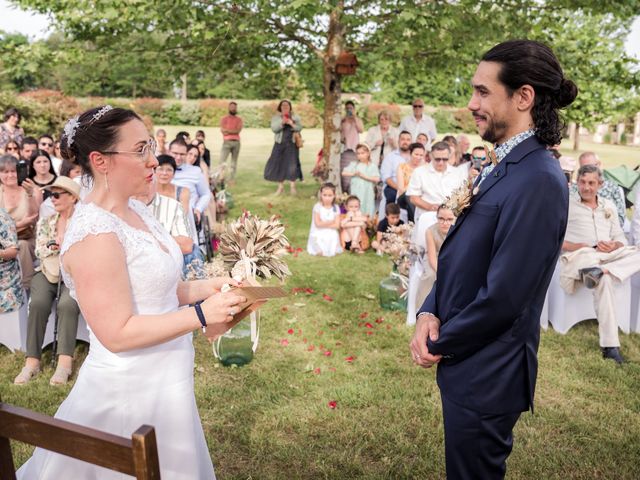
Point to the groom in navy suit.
(480, 323)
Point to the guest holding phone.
(284, 162)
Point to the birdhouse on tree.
(346, 64)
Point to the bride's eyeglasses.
(143, 154)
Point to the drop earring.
(106, 181)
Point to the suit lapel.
(499, 172)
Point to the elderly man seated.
(596, 254)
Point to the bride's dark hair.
(526, 62)
(95, 130)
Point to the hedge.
(46, 111)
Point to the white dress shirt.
(415, 127)
(390, 165)
(432, 186)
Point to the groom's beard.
(494, 131)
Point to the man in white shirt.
(432, 183)
(191, 177)
(419, 122)
(597, 255)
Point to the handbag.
(297, 139)
(50, 267)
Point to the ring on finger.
(232, 312)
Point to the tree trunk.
(576, 138)
(183, 93)
(332, 97)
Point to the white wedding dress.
(119, 392)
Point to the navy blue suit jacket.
(494, 269)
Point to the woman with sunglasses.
(64, 194)
(10, 129)
(12, 148)
(42, 172)
(124, 270)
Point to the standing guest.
(191, 177)
(231, 126)
(481, 321)
(10, 129)
(419, 122)
(161, 142)
(390, 165)
(608, 189)
(204, 153)
(382, 139)
(29, 145)
(405, 170)
(165, 172)
(11, 292)
(140, 361)
(21, 203)
(12, 148)
(350, 129)
(42, 173)
(431, 184)
(364, 176)
(46, 143)
(47, 285)
(353, 227)
(391, 219)
(284, 162)
(463, 147)
(324, 239)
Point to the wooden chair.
(137, 457)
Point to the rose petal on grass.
(290, 331)
(350, 359)
(327, 297)
(368, 325)
(332, 404)
(369, 332)
(316, 371)
(284, 342)
(304, 340)
(310, 291)
(327, 353)
(285, 309)
(379, 320)
(311, 348)
(364, 315)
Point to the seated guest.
(391, 219)
(324, 239)
(609, 190)
(463, 147)
(353, 227)
(479, 158)
(71, 170)
(191, 177)
(165, 172)
(403, 175)
(435, 236)
(364, 176)
(22, 204)
(47, 284)
(11, 292)
(431, 184)
(423, 138)
(596, 254)
(169, 212)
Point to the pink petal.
(332, 404)
(284, 342)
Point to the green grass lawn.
(271, 419)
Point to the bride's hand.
(217, 283)
(220, 308)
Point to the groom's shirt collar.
(503, 149)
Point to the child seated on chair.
(392, 219)
(353, 227)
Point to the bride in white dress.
(124, 270)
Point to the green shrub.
(445, 121)
(212, 110)
(464, 120)
(189, 114)
(309, 115)
(607, 137)
(148, 106)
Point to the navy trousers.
(476, 444)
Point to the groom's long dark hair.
(526, 62)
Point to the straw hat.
(66, 184)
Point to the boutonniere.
(491, 155)
(460, 198)
(608, 213)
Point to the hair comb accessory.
(70, 129)
(100, 113)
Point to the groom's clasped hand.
(427, 326)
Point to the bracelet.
(200, 315)
(425, 313)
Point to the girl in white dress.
(324, 239)
(123, 268)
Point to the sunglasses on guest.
(46, 144)
(440, 159)
(57, 195)
(417, 106)
(479, 158)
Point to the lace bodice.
(154, 272)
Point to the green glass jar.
(237, 345)
(393, 292)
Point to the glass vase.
(238, 344)
(393, 292)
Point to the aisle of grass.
(272, 420)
